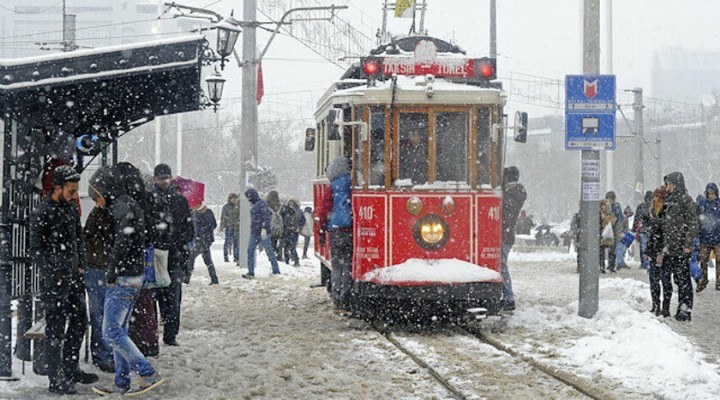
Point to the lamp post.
(215, 84)
(228, 30)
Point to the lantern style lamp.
(215, 84)
(228, 30)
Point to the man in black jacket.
(680, 227)
(230, 223)
(514, 196)
(174, 234)
(58, 249)
(640, 225)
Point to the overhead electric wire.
(31, 12)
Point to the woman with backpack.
(293, 221)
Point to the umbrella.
(193, 191)
(543, 227)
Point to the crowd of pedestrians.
(137, 248)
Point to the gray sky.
(538, 38)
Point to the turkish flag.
(260, 91)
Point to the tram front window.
(451, 138)
(413, 153)
(377, 147)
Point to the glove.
(263, 234)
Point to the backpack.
(276, 224)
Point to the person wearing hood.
(58, 250)
(307, 230)
(175, 232)
(620, 246)
(259, 233)
(125, 275)
(293, 221)
(98, 238)
(657, 273)
(230, 224)
(143, 329)
(680, 227)
(640, 224)
(277, 229)
(336, 219)
(709, 210)
(205, 224)
(514, 196)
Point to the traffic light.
(486, 68)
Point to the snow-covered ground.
(277, 338)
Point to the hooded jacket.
(97, 233)
(259, 213)
(126, 255)
(642, 214)
(709, 217)
(514, 196)
(338, 173)
(205, 224)
(293, 218)
(680, 225)
(175, 228)
(230, 216)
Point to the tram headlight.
(431, 232)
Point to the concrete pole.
(179, 141)
(248, 129)
(590, 182)
(158, 124)
(639, 173)
(610, 155)
(493, 29)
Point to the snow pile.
(440, 271)
(624, 344)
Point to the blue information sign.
(590, 112)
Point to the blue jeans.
(256, 240)
(508, 294)
(96, 287)
(232, 239)
(119, 302)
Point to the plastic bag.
(607, 232)
(628, 239)
(695, 272)
(156, 271)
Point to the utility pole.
(493, 29)
(639, 173)
(590, 208)
(248, 128)
(609, 155)
(68, 38)
(158, 124)
(179, 138)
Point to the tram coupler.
(477, 313)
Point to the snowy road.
(276, 338)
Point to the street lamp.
(228, 30)
(215, 84)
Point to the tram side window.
(413, 144)
(377, 147)
(359, 159)
(483, 146)
(451, 146)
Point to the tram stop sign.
(590, 112)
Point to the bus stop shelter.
(49, 102)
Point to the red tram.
(418, 120)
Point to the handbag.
(628, 239)
(156, 268)
(695, 271)
(607, 232)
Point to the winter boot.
(665, 308)
(702, 283)
(656, 308)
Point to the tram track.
(461, 361)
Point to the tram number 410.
(366, 212)
(494, 213)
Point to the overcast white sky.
(539, 38)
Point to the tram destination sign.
(590, 112)
(450, 66)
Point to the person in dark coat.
(125, 274)
(339, 226)
(514, 196)
(175, 231)
(658, 273)
(143, 330)
(259, 233)
(276, 232)
(98, 238)
(230, 224)
(642, 217)
(709, 210)
(680, 227)
(58, 249)
(293, 221)
(205, 224)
